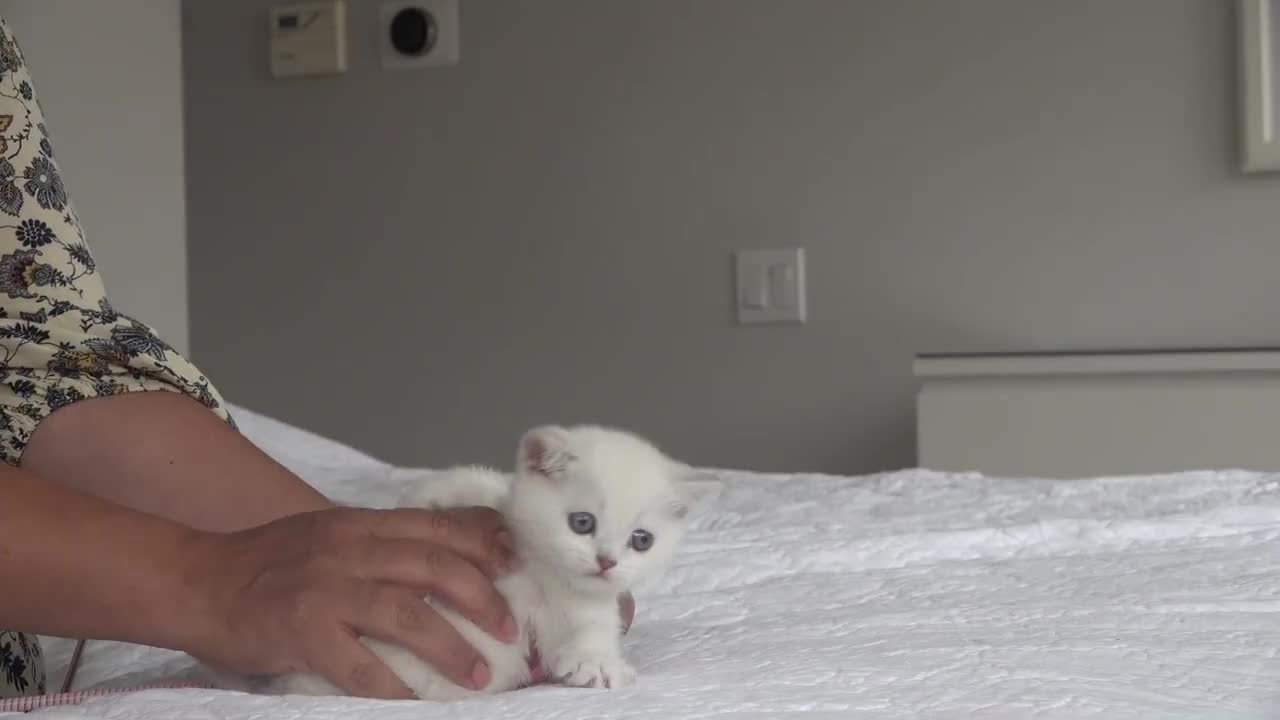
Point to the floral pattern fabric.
(60, 338)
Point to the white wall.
(109, 76)
(424, 263)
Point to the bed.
(903, 595)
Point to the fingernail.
(480, 675)
(509, 629)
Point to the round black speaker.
(413, 31)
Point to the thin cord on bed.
(28, 703)
(36, 702)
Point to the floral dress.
(60, 339)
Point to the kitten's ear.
(694, 490)
(544, 451)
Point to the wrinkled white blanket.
(905, 595)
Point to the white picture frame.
(1260, 84)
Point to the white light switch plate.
(771, 286)
(309, 38)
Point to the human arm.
(166, 454)
(290, 595)
(75, 566)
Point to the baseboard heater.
(1085, 414)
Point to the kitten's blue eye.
(583, 523)
(641, 540)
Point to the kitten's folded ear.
(694, 490)
(544, 451)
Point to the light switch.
(771, 286)
(309, 38)
(753, 292)
(782, 285)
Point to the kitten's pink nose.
(605, 562)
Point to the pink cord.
(35, 702)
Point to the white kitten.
(592, 512)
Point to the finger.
(433, 570)
(353, 667)
(398, 616)
(477, 534)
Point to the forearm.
(76, 566)
(167, 455)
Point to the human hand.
(296, 594)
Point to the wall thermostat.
(419, 34)
(309, 38)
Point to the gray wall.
(109, 76)
(423, 264)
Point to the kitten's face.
(604, 510)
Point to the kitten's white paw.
(456, 488)
(591, 671)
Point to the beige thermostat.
(309, 39)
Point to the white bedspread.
(906, 595)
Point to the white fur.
(557, 598)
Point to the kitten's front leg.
(456, 488)
(590, 653)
